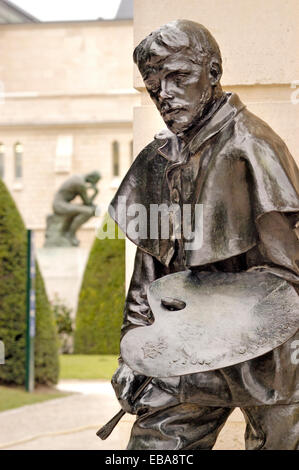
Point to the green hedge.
(101, 300)
(13, 249)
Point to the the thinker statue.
(68, 216)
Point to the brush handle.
(107, 429)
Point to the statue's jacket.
(247, 182)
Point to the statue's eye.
(180, 78)
(152, 86)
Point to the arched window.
(18, 160)
(115, 158)
(131, 152)
(2, 152)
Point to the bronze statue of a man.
(218, 154)
(61, 230)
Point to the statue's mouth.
(172, 111)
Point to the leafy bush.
(13, 256)
(64, 322)
(101, 299)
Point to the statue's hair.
(178, 36)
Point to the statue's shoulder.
(145, 176)
(144, 179)
(71, 183)
(257, 134)
(267, 153)
(77, 179)
(149, 157)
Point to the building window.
(2, 151)
(64, 154)
(18, 160)
(131, 152)
(115, 158)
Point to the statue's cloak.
(248, 183)
(236, 166)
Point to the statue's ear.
(215, 72)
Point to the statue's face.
(179, 88)
(93, 179)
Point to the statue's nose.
(165, 92)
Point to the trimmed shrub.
(46, 342)
(13, 256)
(101, 300)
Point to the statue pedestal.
(55, 232)
(62, 270)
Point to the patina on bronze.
(216, 153)
(68, 216)
(219, 319)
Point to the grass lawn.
(13, 397)
(87, 366)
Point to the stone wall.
(62, 80)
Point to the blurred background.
(67, 101)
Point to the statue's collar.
(171, 148)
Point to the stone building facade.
(66, 100)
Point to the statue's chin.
(177, 127)
(183, 124)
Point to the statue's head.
(93, 177)
(181, 66)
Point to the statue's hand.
(125, 383)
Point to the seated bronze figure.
(68, 216)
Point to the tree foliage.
(101, 300)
